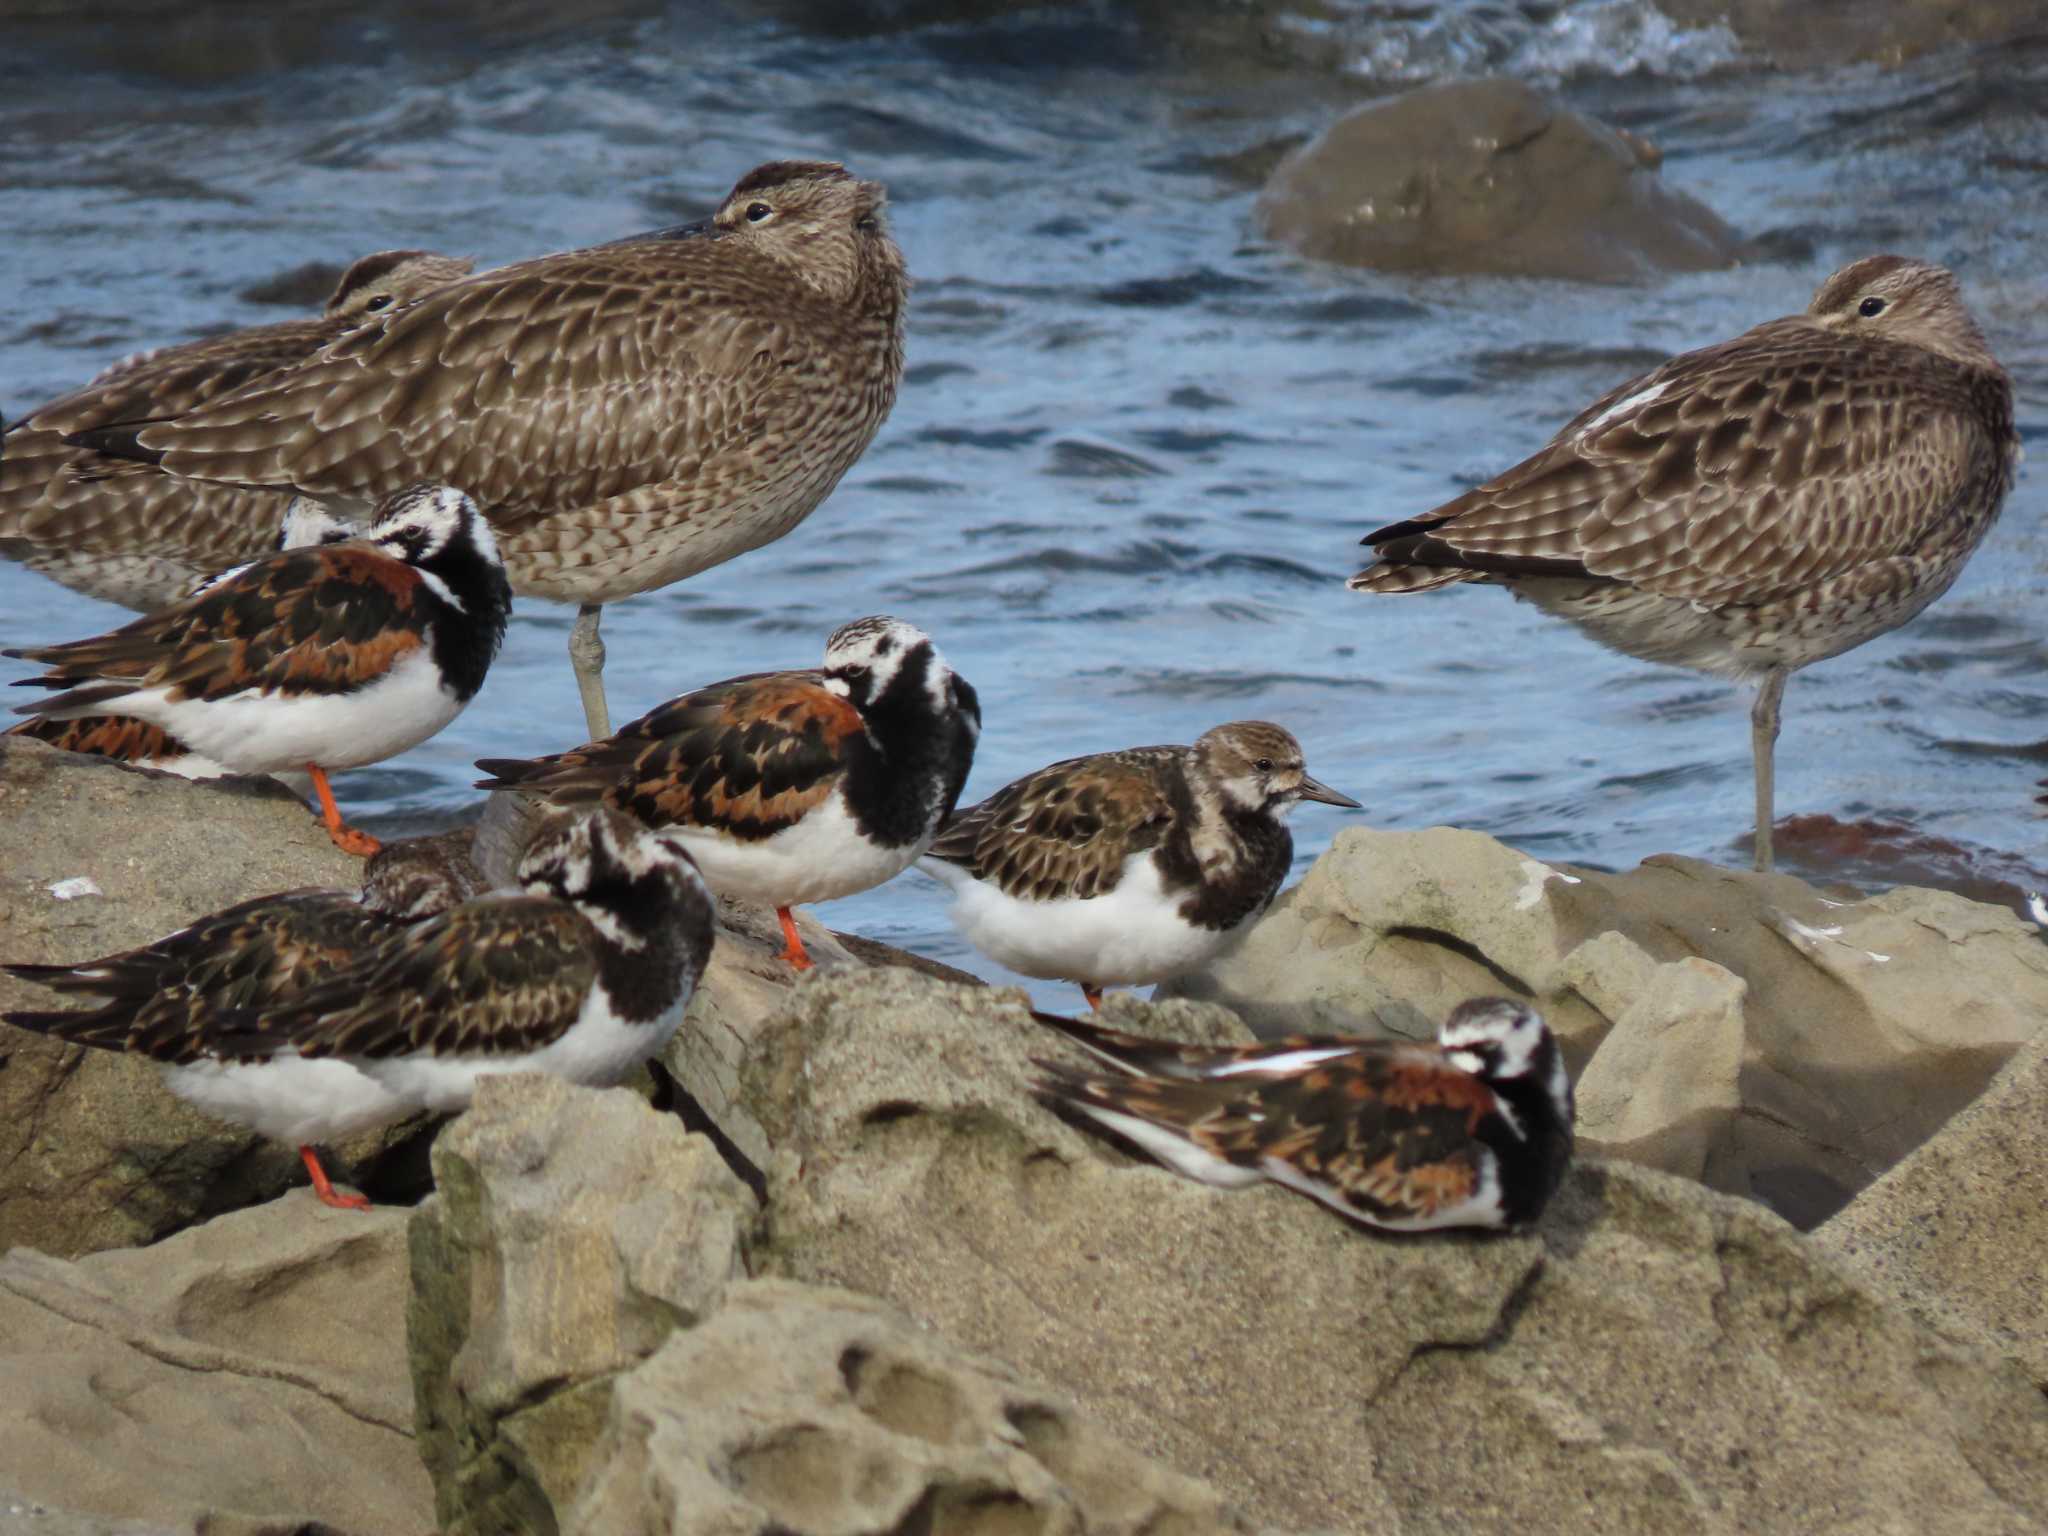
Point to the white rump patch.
(1173, 1149)
(1284, 1064)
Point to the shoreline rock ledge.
(1763, 1036)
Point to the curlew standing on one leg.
(627, 415)
(1755, 506)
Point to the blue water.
(1136, 446)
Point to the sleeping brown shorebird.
(627, 415)
(1755, 506)
(128, 533)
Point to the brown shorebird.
(627, 415)
(1755, 506)
(130, 534)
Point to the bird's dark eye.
(382, 301)
(867, 221)
(756, 212)
(1263, 765)
(1870, 307)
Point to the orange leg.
(1093, 994)
(793, 949)
(347, 838)
(325, 1190)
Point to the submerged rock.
(1654, 1357)
(1741, 1029)
(1488, 176)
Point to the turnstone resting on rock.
(584, 972)
(142, 745)
(320, 658)
(1128, 866)
(1754, 506)
(129, 533)
(789, 787)
(170, 1000)
(628, 415)
(1475, 1132)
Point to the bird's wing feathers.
(1758, 459)
(1066, 830)
(498, 976)
(327, 618)
(750, 756)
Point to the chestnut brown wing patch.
(327, 619)
(120, 737)
(750, 757)
(1066, 830)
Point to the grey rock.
(1488, 176)
(1885, 32)
(94, 1151)
(247, 1375)
(1766, 1038)
(1958, 1232)
(572, 1230)
(1655, 1357)
(807, 1409)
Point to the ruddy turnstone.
(1755, 506)
(789, 787)
(583, 972)
(320, 658)
(169, 1000)
(142, 745)
(1128, 866)
(628, 415)
(1474, 1132)
(127, 532)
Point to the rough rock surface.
(94, 1151)
(572, 1230)
(1737, 1028)
(1488, 176)
(802, 1408)
(1958, 1232)
(578, 1233)
(247, 1375)
(1654, 1358)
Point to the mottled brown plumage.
(1755, 506)
(129, 533)
(627, 415)
(1475, 1130)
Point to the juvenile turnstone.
(139, 744)
(789, 787)
(170, 1000)
(1474, 1132)
(583, 972)
(1128, 866)
(628, 415)
(128, 533)
(1755, 506)
(320, 658)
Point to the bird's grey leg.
(1763, 740)
(586, 654)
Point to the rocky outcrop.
(247, 1375)
(1488, 176)
(94, 1151)
(572, 1230)
(1886, 31)
(1958, 1232)
(1740, 1029)
(587, 1357)
(1655, 1357)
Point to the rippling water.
(1136, 446)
